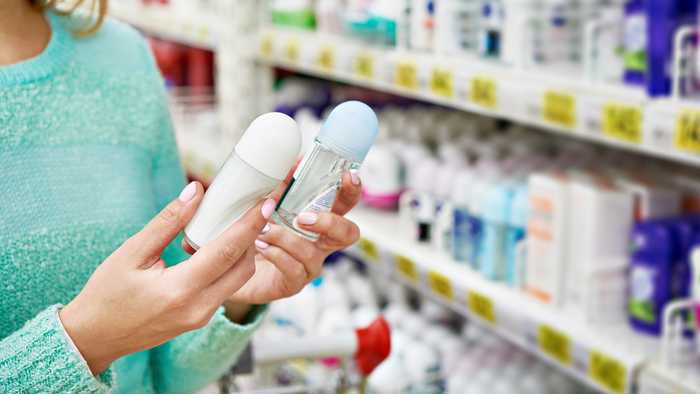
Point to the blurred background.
(530, 210)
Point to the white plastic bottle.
(259, 162)
(342, 145)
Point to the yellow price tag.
(406, 76)
(687, 134)
(481, 306)
(441, 285)
(554, 343)
(607, 371)
(559, 108)
(266, 45)
(483, 92)
(407, 268)
(364, 65)
(326, 59)
(292, 50)
(442, 82)
(369, 250)
(623, 122)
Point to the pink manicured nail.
(266, 229)
(188, 192)
(268, 207)
(261, 244)
(307, 218)
(354, 178)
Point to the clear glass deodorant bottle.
(342, 144)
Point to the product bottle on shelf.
(517, 230)
(495, 212)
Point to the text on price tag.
(483, 92)
(326, 59)
(364, 65)
(406, 268)
(559, 108)
(687, 133)
(266, 45)
(623, 122)
(291, 50)
(607, 371)
(440, 285)
(554, 343)
(481, 306)
(369, 250)
(406, 75)
(442, 82)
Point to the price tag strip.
(442, 82)
(406, 75)
(363, 65)
(622, 122)
(441, 285)
(406, 269)
(482, 306)
(686, 137)
(559, 108)
(483, 92)
(267, 45)
(369, 250)
(291, 50)
(326, 58)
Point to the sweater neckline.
(54, 55)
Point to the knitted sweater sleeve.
(197, 358)
(39, 358)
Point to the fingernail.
(354, 178)
(307, 218)
(266, 229)
(261, 244)
(268, 207)
(188, 192)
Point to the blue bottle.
(496, 214)
(461, 227)
(653, 253)
(517, 230)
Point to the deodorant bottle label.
(341, 146)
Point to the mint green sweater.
(88, 157)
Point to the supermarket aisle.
(451, 196)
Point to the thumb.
(164, 227)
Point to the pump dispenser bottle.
(259, 162)
(344, 140)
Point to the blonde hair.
(96, 11)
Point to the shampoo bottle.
(259, 162)
(341, 146)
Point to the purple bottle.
(653, 251)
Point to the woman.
(93, 200)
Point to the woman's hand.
(286, 262)
(132, 302)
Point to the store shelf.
(607, 357)
(198, 30)
(618, 116)
(659, 380)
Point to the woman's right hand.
(133, 302)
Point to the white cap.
(271, 144)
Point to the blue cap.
(350, 130)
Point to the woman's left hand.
(286, 262)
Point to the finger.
(293, 270)
(349, 193)
(162, 229)
(299, 248)
(218, 256)
(232, 280)
(335, 231)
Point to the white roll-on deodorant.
(263, 157)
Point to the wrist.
(81, 340)
(236, 312)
